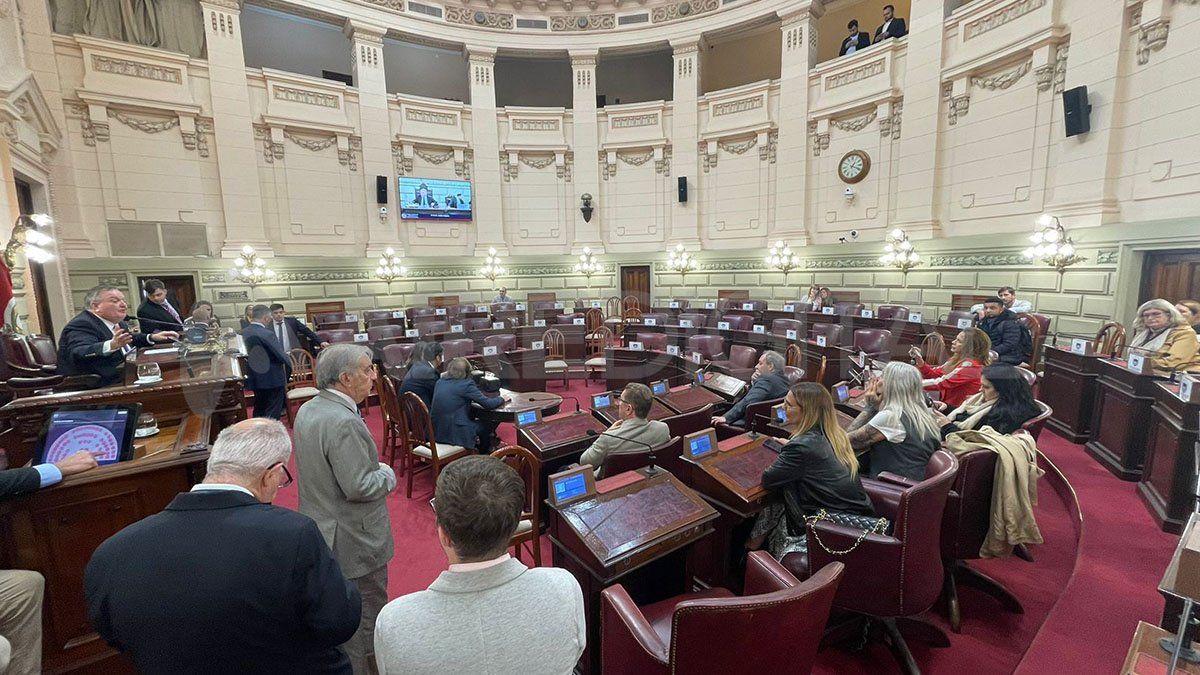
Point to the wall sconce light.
(681, 261)
(491, 266)
(899, 252)
(586, 209)
(587, 265)
(390, 269)
(251, 269)
(781, 258)
(1052, 245)
(27, 237)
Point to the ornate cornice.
(1003, 79)
(854, 123)
(582, 22)
(478, 17)
(997, 19)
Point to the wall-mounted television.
(434, 199)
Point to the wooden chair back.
(529, 468)
(820, 375)
(1110, 340)
(794, 356)
(612, 307)
(598, 340)
(630, 302)
(593, 319)
(1035, 330)
(303, 373)
(933, 348)
(418, 425)
(555, 345)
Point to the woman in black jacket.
(817, 474)
(1004, 402)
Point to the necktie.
(127, 348)
(282, 333)
(172, 311)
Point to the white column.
(799, 37)
(485, 138)
(585, 144)
(685, 137)
(233, 136)
(366, 44)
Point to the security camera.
(383, 211)
(854, 234)
(848, 191)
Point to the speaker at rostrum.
(683, 189)
(381, 189)
(1076, 110)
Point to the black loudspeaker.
(381, 189)
(1076, 110)
(683, 189)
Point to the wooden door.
(1171, 275)
(635, 281)
(37, 273)
(181, 293)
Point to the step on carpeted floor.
(1083, 595)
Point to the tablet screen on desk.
(699, 377)
(527, 417)
(571, 484)
(601, 400)
(106, 431)
(700, 446)
(842, 391)
(659, 388)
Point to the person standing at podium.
(632, 432)
(97, 339)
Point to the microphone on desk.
(650, 470)
(578, 408)
(170, 324)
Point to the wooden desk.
(559, 441)
(636, 535)
(1122, 408)
(1069, 380)
(730, 388)
(519, 401)
(689, 397)
(622, 366)
(1167, 480)
(837, 365)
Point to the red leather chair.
(397, 354)
(20, 358)
(890, 578)
(429, 327)
(384, 331)
(683, 302)
(414, 312)
(690, 422)
(892, 312)
(794, 375)
(775, 627)
(659, 318)
(739, 321)
(460, 347)
(336, 335)
(698, 320)
(331, 317)
(740, 363)
(502, 307)
(955, 315)
(620, 462)
(832, 331)
(876, 342)
(502, 343)
(567, 319)
(653, 341)
(1038, 325)
(42, 351)
(782, 326)
(543, 304)
(756, 418)
(710, 346)
(848, 308)
(1035, 425)
(377, 317)
(477, 323)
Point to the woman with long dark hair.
(1004, 402)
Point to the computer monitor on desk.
(571, 485)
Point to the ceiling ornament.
(582, 22)
(476, 17)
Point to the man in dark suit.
(221, 581)
(856, 41)
(422, 375)
(156, 312)
(269, 365)
(892, 27)
(97, 339)
(292, 333)
(769, 383)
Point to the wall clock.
(854, 166)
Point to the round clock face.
(854, 166)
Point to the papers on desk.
(161, 350)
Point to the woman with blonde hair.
(956, 379)
(817, 473)
(896, 424)
(1162, 333)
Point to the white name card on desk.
(538, 323)
(497, 325)
(685, 323)
(827, 310)
(398, 315)
(722, 325)
(748, 306)
(791, 335)
(440, 311)
(1188, 391)
(964, 324)
(352, 317)
(710, 305)
(456, 328)
(697, 357)
(360, 337)
(596, 304)
(822, 341)
(673, 305)
(650, 322)
(635, 346)
(1081, 346)
(558, 305)
(673, 350)
(521, 306)
(868, 314)
(537, 344)
(1138, 364)
(490, 350)
(789, 308)
(576, 322)
(412, 332)
(915, 317)
(759, 328)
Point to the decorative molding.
(323, 276)
(306, 97)
(434, 158)
(738, 106)
(526, 124)
(1000, 17)
(582, 22)
(430, 117)
(819, 141)
(404, 165)
(310, 144)
(349, 156)
(766, 153)
(607, 170)
(1106, 257)
(462, 168)
(633, 121)
(233, 295)
(1002, 80)
(958, 107)
(975, 260)
(564, 170)
(738, 148)
(149, 126)
(535, 161)
(854, 123)
(1053, 75)
(1152, 37)
(114, 280)
(862, 72)
(855, 262)
(508, 168)
(272, 149)
(890, 125)
(662, 166)
(394, 5)
(91, 131)
(213, 277)
(146, 71)
(476, 17)
(636, 158)
(709, 158)
(679, 10)
(204, 129)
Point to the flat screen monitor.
(572, 484)
(700, 375)
(659, 388)
(700, 443)
(104, 430)
(527, 417)
(841, 391)
(434, 199)
(602, 400)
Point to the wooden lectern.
(1069, 379)
(1123, 402)
(1168, 481)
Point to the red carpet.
(1082, 601)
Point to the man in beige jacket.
(634, 407)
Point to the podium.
(635, 531)
(1122, 408)
(688, 398)
(1069, 380)
(1168, 478)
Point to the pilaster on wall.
(241, 196)
(685, 135)
(586, 178)
(366, 53)
(799, 35)
(485, 137)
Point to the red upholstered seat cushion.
(659, 614)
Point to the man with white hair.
(222, 581)
(344, 486)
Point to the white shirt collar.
(476, 566)
(110, 324)
(214, 487)
(343, 396)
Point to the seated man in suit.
(521, 620)
(96, 340)
(422, 375)
(633, 407)
(270, 366)
(260, 591)
(856, 41)
(891, 27)
(156, 312)
(768, 383)
(453, 422)
(202, 312)
(292, 332)
(21, 591)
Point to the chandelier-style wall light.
(781, 258)
(1052, 244)
(898, 252)
(250, 269)
(492, 267)
(587, 265)
(681, 261)
(389, 269)
(27, 237)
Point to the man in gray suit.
(343, 486)
(633, 407)
(488, 612)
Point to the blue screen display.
(527, 417)
(781, 414)
(601, 401)
(569, 487)
(659, 387)
(700, 377)
(701, 445)
(843, 393)
(434, 199)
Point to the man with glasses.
(221, 580)
(633, 408)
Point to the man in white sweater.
(487, 614)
